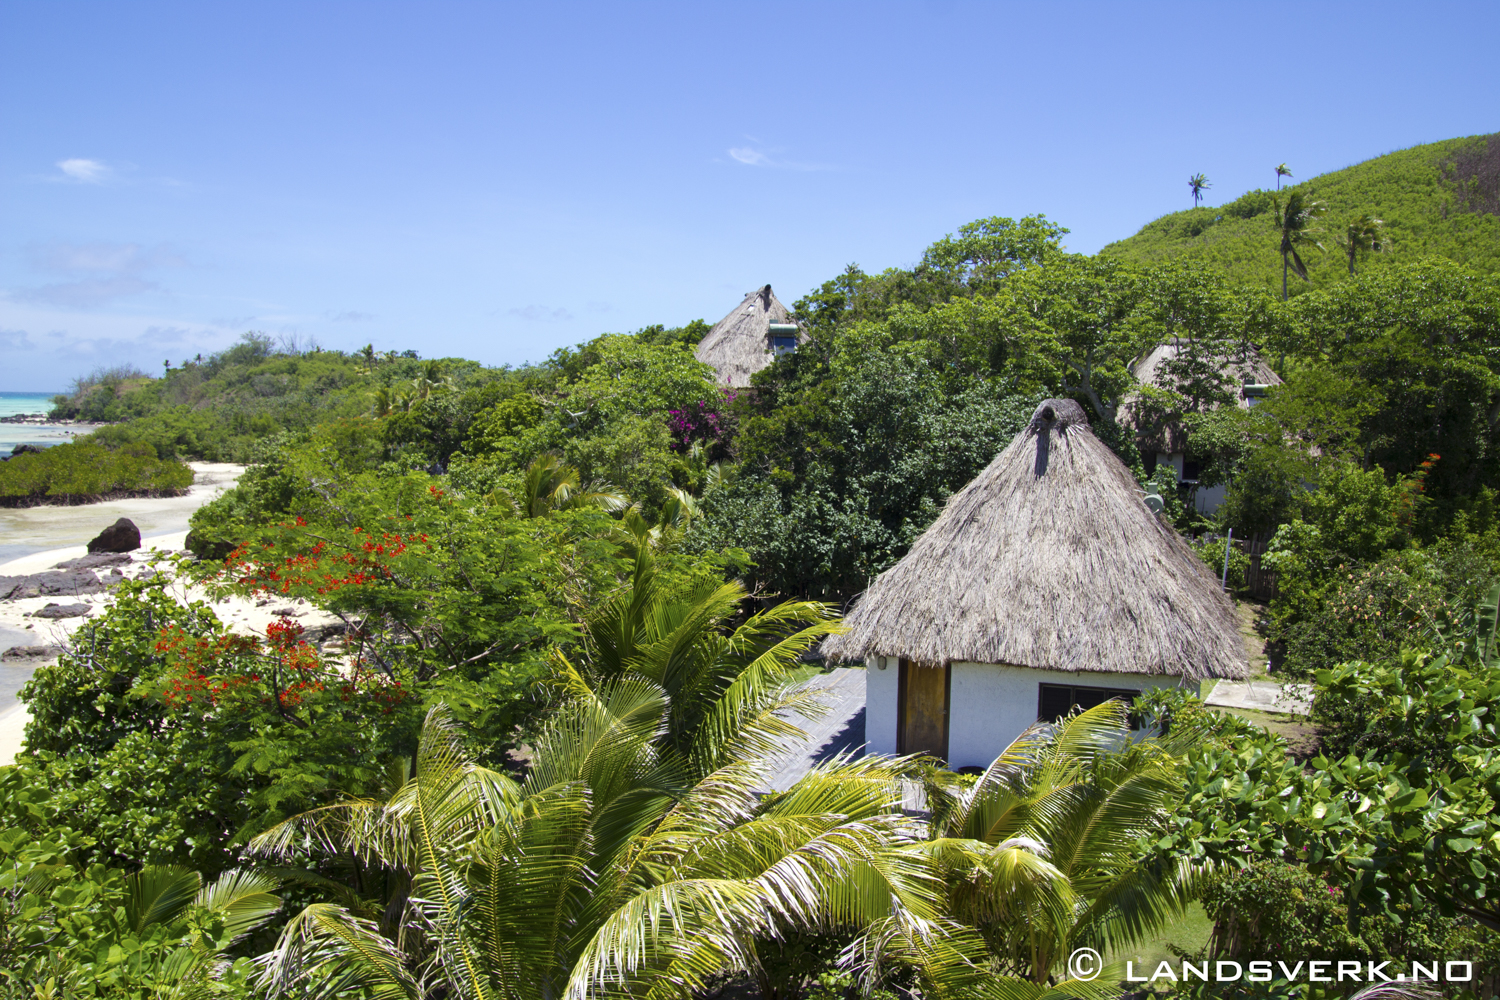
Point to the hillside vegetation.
(1437, 200)
(219, 408)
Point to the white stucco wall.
(881, 689)
(990, 705)
(1206, 498)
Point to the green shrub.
(166, 739)
(86, 470)
(1273, 910)
(1211, 551)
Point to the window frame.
(1127, 695)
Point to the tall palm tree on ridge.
(1282, 170)
(1198, 184)
(1295, 221)
(1366, 234)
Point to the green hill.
(1441, 199)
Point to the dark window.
(1149, 459)
(1057, 700)
(1190, 471)
(783, 345)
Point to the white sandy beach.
(163, 524)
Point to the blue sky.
(497, 180)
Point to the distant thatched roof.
(739, 345)
(1050, 558)
(1242, 365)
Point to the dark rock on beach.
(30, 653)
(64, 611)
(122, 536)
(53, 583)
(97, 561)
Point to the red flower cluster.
(321, 569)
(1413, 490)
(209, 673)
(191, 683)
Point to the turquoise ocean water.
(13, 403)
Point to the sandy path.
(17, 628)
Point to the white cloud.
(753, 157)
(109, 258)
(101, 272)
(87, 293)
(45, 346)
(750, 156)
(540, 314)
(84, 171)
(15, 340)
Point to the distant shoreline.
(41, 419)
(84, 499)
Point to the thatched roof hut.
(742, 343)
(1050, 559)
(1243, 366)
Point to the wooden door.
(922, 726)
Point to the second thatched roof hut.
(1046, 583)
(749, 338)
(1164, 441)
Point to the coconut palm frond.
(324, 951)
(661, 923)
(602, 738)
(246, 899)
(380, 832)
(753, 723)
(860, 788)
(1138, 905)
(1295, 219)
(358, 826)
(158, 894)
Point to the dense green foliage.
(86, 470)
(1435, 200)
(597, 579)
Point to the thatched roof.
(1240, 365)
(1050, 558)
(739, 345)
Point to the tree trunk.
(1284, 266)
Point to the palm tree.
(1198, 184)
(1295, 220)
(678, 512)
(1364, 233)
(1282, 170)
(550, 484)
(160, 902)
(730, 685)
(605, 869)
(1041, 852)
(430, 379)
